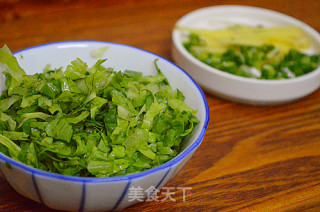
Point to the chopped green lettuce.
(91, 121)
(96, 53)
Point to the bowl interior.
(236, 88)
(218, 17)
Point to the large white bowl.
(236, 88)
(102, 194)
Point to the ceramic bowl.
(102, 194)
(236, 88)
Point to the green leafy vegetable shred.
(91, 121)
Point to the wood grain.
(251, 159)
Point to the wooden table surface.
(252, 158)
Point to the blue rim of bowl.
(168, 164)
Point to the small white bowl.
(102, 194)
(236, 88)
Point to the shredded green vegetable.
(91, 121)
